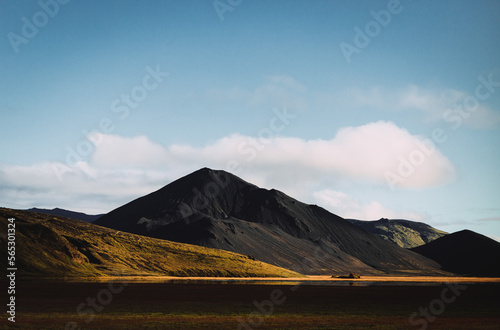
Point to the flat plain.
(201, 303)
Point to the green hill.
(405, 233)
(48, 245)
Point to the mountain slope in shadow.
(464, 252)
(219, 210)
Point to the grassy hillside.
(48, 245)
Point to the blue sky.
(105, 101)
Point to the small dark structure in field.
(351, 275)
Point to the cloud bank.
(121, 168)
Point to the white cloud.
(363, 153)
(350, 208)
(122, 167)
(123, 152)
(433, 104)
(83, 187)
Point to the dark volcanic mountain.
(405, 233)
(464, 252)
(68, 214)
(217, 209)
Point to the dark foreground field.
(55, 305)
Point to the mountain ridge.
(67, 213)
(220, 210)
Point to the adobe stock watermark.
(436, 307)
(409, 164)
(31, 26)
(120, 107)
(223, 6)
(363, 37)
(250, 148)
(470, 103)
(96, 304)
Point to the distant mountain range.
(219, 210)
(405, 233)
(67, 213)
(55, 246)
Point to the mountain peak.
(207, 179)
(206, 171)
